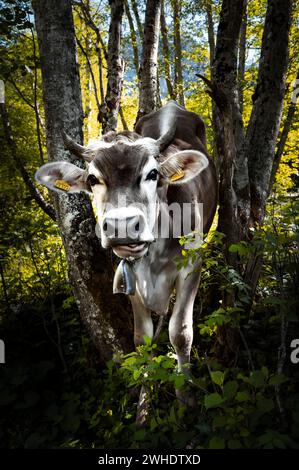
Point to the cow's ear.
(62, 177)
(183, 166)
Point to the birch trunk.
(115, 68)
(90, 270)
(242, 56)
(178, 73)
(166, 53)
(149, 61)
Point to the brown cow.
(140, 181)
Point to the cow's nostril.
(105, 226)
(137, 227)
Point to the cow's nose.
(127, 228)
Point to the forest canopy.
(66, 382)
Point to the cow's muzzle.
(128, 236)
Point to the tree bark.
(133, 37)
(166, 53)
(225, 94)
(211, 33)
(268, 97)
(224, 82)
(115, 68)
(178, 73)
(242, 56)
(137, 17)
(90, 271)
(148, 68)
(217, 127)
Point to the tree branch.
(36, 195)
(91, 73)
(285, 131)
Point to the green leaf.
(230, 389)
(139, 435)
(234, 444)
(278, 379)
(265, 405)
(136, 374)
(216, 443)
(147, 340)
(217, 377)
(129, 361)
(242, 396)
(240, 248)
(213, 400)
(257, 379)
(219, 421)
(179, 380)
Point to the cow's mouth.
(131, 250)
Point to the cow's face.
(125, 179)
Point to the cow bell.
(124, 281)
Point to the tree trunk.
(268, 97)
(148, 68)
(133, 37)
(166, 54)
(224, 80)
(211, 33)
(115, 68)
(137, 18)
(178, 73)
(225, 94)
(217, 127)
(90, 272)
(242, 56)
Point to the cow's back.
(190, 134)
(190, 128)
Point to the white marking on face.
(147, 142)
(149, 190)
(98, 190)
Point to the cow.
(135, 177)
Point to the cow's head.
(126, 175)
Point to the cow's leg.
(143, 326)
(143, 323)
(181, 322)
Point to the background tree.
(89, 265)
(115, 68)
(148, 68)
(178, 73)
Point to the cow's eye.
(153, 175)
(92, 180)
